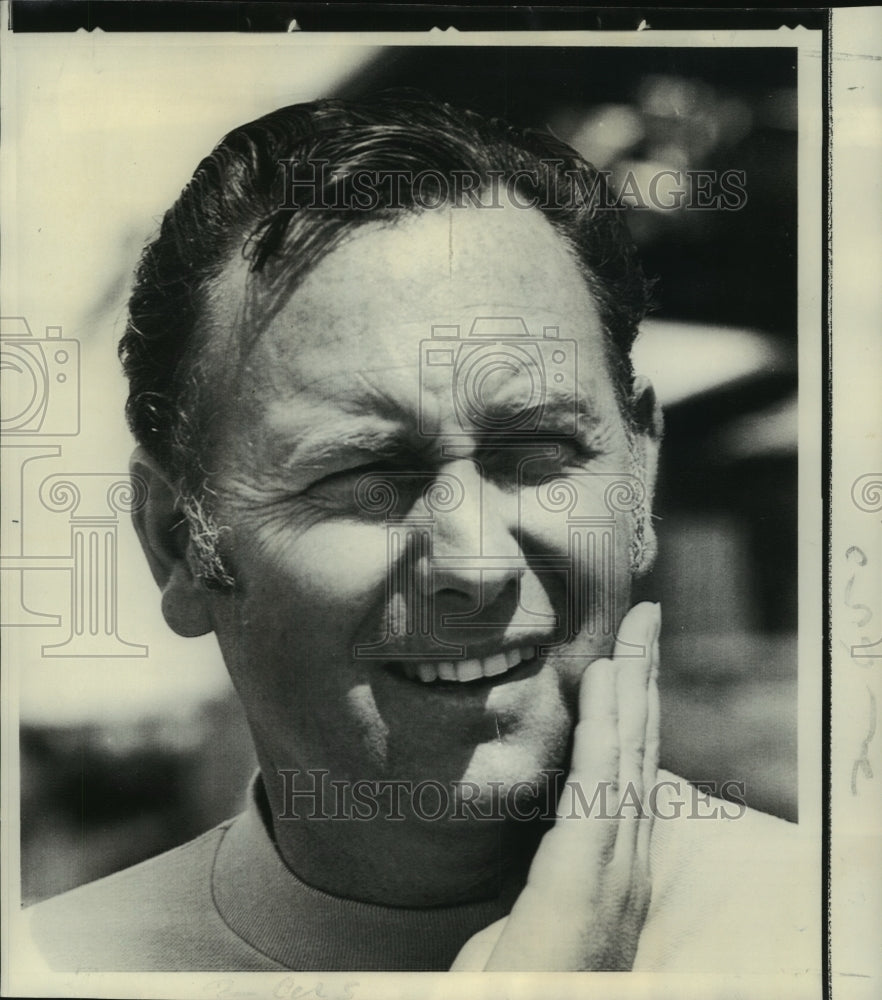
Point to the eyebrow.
(552, 415)
(386, 429)
(398, 443)
(555, 407)
(348, 439)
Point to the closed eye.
(513, 466)
(370, 490)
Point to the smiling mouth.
(467, 671)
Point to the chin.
(512, 778)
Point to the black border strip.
(240, 16)
(826, 487)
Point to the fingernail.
(655, 626)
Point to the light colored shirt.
(729, 895)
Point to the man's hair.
(239, 202)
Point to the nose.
(476, 556)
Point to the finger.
(595, 752)
(639, 629)
(596, 736)
(581, 839)
(568, 883)
(548, 924)
(650, 758)
(475, 953)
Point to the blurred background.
(135, 749)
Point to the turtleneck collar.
(304, 928)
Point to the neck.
(397, 858)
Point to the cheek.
(592, 513)
(300, 604)
(575, 522)
(333, 566)
(299, 610)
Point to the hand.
(588, 888)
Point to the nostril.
(450, 595)
(486, 607)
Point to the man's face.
(347, 604)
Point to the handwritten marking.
(862, 764)
(866, 495)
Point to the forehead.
(366, 308)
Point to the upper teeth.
(467, 670)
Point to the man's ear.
(648, 421)
(164, 538)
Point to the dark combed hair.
(235, 205)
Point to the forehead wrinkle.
(361, 412)
(373, 395)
